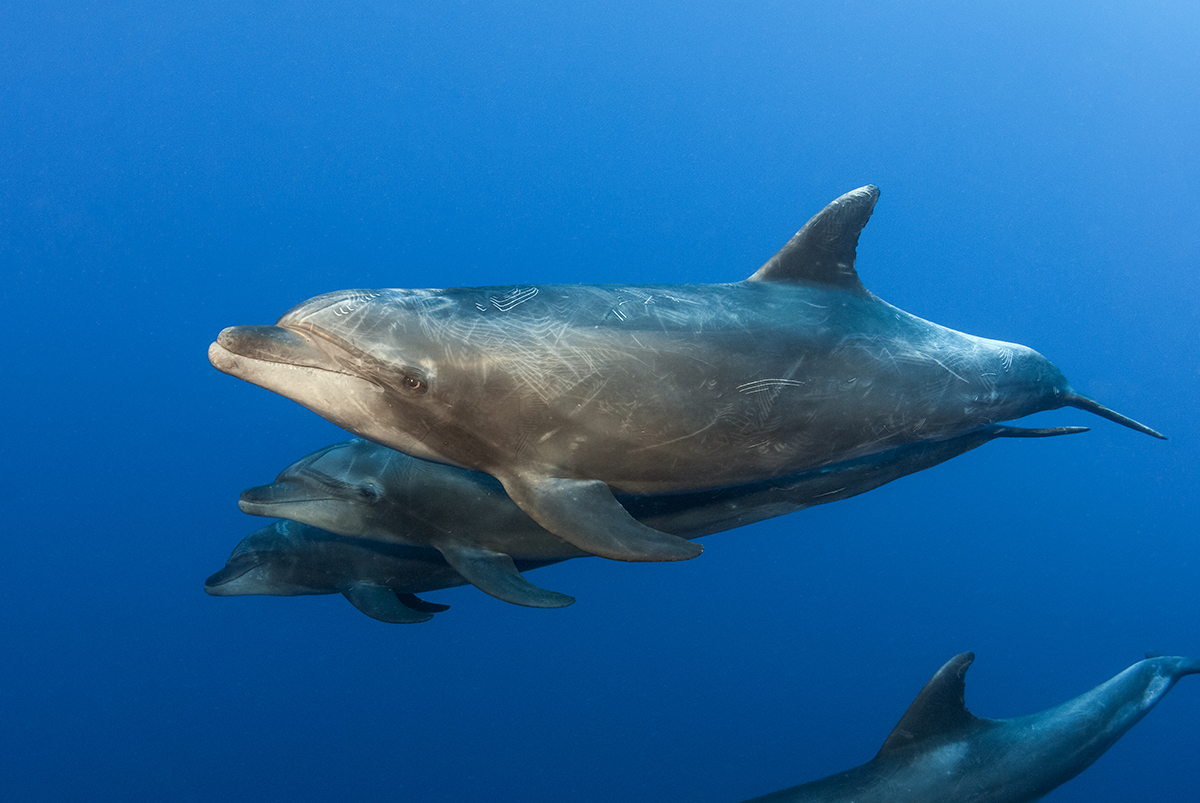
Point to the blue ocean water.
(167, 170)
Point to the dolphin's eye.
(414, 384)
(369, 493)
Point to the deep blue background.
(167, 170)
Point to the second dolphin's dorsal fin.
(823, 251)
(939, 709)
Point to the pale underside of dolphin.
(364, 490)
(941, 753)
(569, 394)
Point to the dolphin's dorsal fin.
(823, 251)
(939, 709)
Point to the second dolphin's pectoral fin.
(1005, 431)
(380, 602)
(585, 514)
(418, 604)
(823, 252)
(495, 573)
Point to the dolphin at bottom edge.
(940, 752)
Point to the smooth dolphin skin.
(289, 559)
(568, 394)
(361, 489)
(364, 490)
(941, 753)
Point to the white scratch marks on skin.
(354, 302)
(550, 434)
(707, 426)
(513, 298)
(760, 385)
(593, 394)
(956, 376)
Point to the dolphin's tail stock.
(1084, 403)
(1188, 666)
(1179, 666)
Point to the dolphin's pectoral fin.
(585, 514)
(1004, 431)
(823, 252)
(495, 573)
(380, 602)
(418, 604)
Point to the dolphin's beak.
(265, 344)
(258, 500)
(234, 568)
(1084, 403)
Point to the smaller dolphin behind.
(941, 753)
(288, 559)
(361, 489)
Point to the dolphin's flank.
(569, 394)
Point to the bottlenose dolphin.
(288, 559)
(568, 394)
(362, 489)
(941, 753)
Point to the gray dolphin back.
(941, 753)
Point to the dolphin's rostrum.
(568, 394)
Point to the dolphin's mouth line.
(299, 499)
(235, 363)
(294, 365)
(309, 335)
(231, 571)
(285, 364)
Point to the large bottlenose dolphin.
(941, 753)
(289, 559)
(568, 394)
(365, 490)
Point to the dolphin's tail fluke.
(1084, 403)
